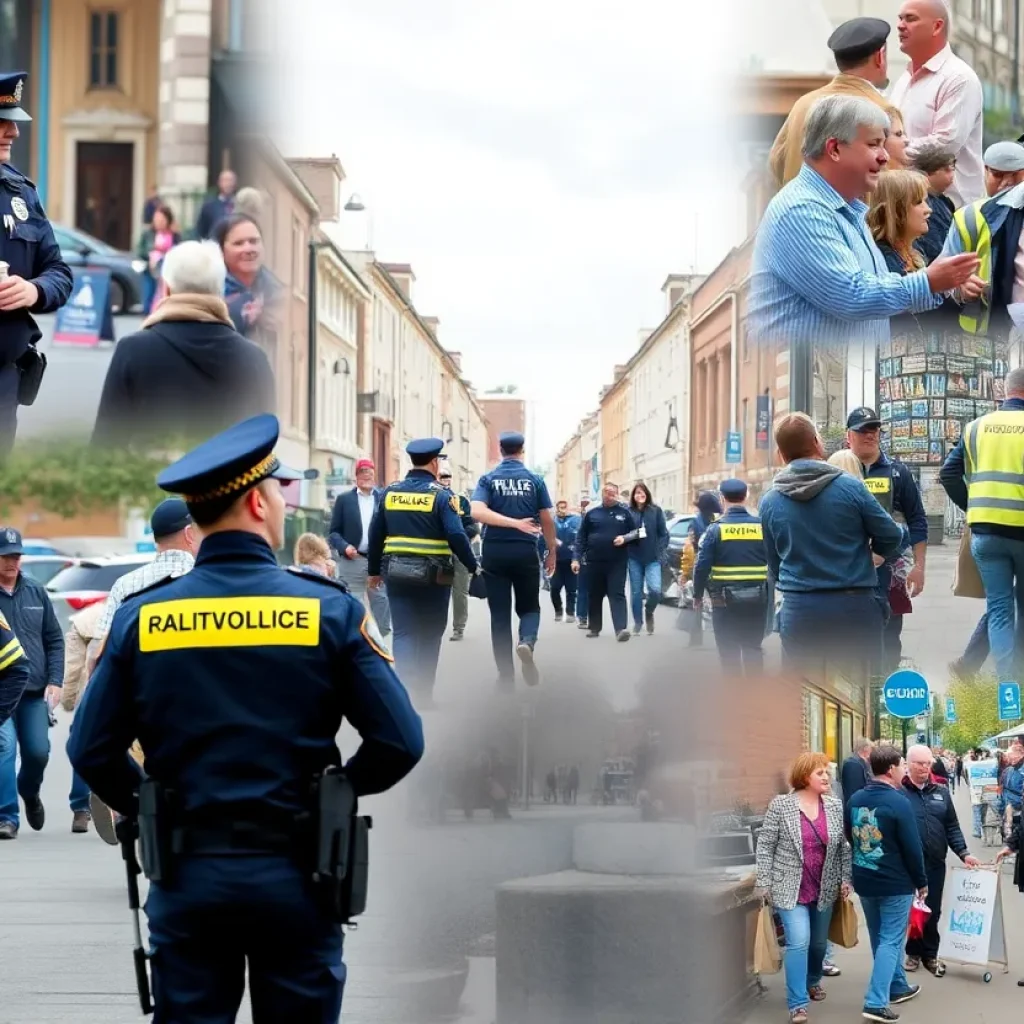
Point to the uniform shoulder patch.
(310, 574)
(456, 507)
(372, 635)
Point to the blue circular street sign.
(906, 694)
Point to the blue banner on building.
(86, 318)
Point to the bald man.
(940, 832)
(940, 96)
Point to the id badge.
(643, 533)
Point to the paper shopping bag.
(843, 927)
(966, 578)
(767, 955)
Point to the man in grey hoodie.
(821, 527)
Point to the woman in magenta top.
(803, 865)
(156, 242)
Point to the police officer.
(460, 588)
(38, 280)
(897, 492)
(514, 506)
(414, 533)
(732, 568)
(13, 670)
(235, 678)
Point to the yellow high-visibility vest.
(976, 237)
(994, 469)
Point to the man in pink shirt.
(940, 96)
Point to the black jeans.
(739, 633)
(565, 578)
(607, 579)
(512, 569)
(927, 947)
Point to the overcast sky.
(542, 165)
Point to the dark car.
(126, 269)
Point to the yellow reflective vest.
(976, 236)
(994, 469)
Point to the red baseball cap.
(364, 464)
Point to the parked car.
(678, 528)
(89, 581)
(42, 568)
(38, 546)
(126, 269)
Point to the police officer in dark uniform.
(38, 280)
(732, 568)
(897, 492)
(235, 679)
(13, 670)
(414, 534)
(514, 506)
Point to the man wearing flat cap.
(37, 278)
(859, 46)
(235, 678)
(991, 228)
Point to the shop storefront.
(833, 718)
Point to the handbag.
(843, 928)
(767, 955)
(966, 578)
(31, 367)
(478, 586)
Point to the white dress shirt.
(942, 102)
(367, 504)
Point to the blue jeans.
(887, 918)
(583, 593)
(639, 574)
(1001, 566)
(29, 729)
(842, 627)
(806, 930)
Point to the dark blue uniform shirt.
(235, 679)
(595, 541)
(510, 489)
(418, 516)
(731, 551)
(33, 254)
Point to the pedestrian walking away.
(414, 536)
(513, 506)
(33, 275)
(601, 543)
(26, 607)
(349, 535)
(732, 568)
(460, 588)
(227, 808)
(563, 579)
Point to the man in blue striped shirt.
(818, 275)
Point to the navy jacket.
(346, 522)
(937, 822)
(951, 476)
(888, 857)
(566, 531)
(274, 660)
(853, 776)
(214, 210)
(512, 490)
(646, 550)
(600, 526)
(31, 616)
(939, 223)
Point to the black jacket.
(347, 523)
(936, 821)
(597, 533)
(31, 616)
(182, 378)
(854, 775)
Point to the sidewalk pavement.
(960, 996)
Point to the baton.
(139, 954)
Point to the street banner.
(972, 906)
(1009, 702)
(982, 776)
(951, 710)
(85, 319)
(764, 423)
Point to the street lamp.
(356, 205)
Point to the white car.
(89, 581)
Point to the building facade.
(569, 480)
(614, 418)
(506, 413)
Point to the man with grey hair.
(855, 773)
(939, 95)
(818, 277)
(188, 373)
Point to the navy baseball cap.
(733, 490)
(862, 418)
(512, 440)
(10, 541)
(169, 517)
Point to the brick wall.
(503, 414)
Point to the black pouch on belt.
(418, 572)
(751, 593)
(31, 368)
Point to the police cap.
(511, 441)
(12, 85)
(1005, 157)
(733, 490)
(424, 448)
(229, 464)
(171, 516)
(862, 418)
(858, 38)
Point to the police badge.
(19, 208)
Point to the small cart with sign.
(973, 934)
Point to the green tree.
(72, 477)
(977, 713)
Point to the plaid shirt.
(166, 564)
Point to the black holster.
(342, 854)
(156, 832)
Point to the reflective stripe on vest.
(416, 546)
(994, 469)
(976, 237)
(739, 573)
